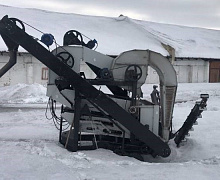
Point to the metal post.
(134, 93)
(77, 113)
(61, 125)
(133, 105)
(75, 123)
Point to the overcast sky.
(196, 13)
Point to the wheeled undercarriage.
(120, 120)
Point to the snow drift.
(30, 149)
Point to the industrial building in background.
(194, 52)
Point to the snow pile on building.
(115, 35)
(187, 41)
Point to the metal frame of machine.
(121, 121)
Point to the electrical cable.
(54, 40)
(86, 36)
(32, 27)
(56, 120)
(90, 39)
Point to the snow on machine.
(122, 120)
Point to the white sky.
(196, 13)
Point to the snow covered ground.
(29, 147)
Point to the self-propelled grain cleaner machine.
(121, 120)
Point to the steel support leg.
(77, 113)
(61, 125)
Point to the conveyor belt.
(195, 113)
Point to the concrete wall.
(192, 71)
(188, 71)
(152, 77)
(29, 70)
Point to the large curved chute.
(168, 87)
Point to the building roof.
(115, 35)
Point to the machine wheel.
(66, 57)
(15, 20)
(73, 37)
(133, 73)
(105, 73)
